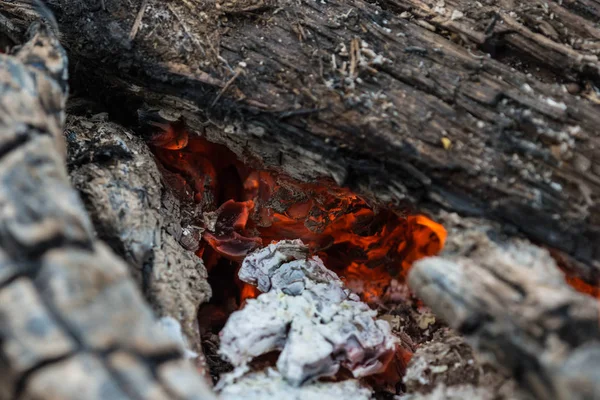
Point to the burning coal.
(245, 209)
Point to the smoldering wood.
(309, 315)
(144, 222)
(72, 322)
(512, 303)
(520, 151)
(398, 100)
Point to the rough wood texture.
(72, 322)
(135, 214)
(446, 368)
(400, 101)
(561, 36)
(512, 303)
(397, 99)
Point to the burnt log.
(73, 324)
(132, 211)
(513, 305)
(490, 111)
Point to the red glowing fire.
(250, 209)
(245, 209)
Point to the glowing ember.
(584, 287)
(247, 209)
(577, 283)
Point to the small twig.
(474, 55)
(301, 112)
(490, 28)
(238, 71)
(457, 354)
(354, 49)
(138, 20)
(255, 8)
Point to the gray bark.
(72, 322)
(512, 303)
(139, 218)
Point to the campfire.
(299, 200)
(245, 210)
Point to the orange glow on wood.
(367, 248)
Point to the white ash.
(308, 314)
(458, 392)
(285, 266)
(270, 384)
(172, 328)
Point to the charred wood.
(401, 102)
(72, 322)
(139, 218)
(398, 100)
(512, 303)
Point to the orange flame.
(248, 292)
(252, 208)
(247, 209)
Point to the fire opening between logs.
(269, 237)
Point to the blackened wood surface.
(398, 99)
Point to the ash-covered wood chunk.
(269, 384)
(29, 335)
(84, 376)
(512, 303)
(68, 306)
(309, 315)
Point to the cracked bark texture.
(72, 322)
(488, 109)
